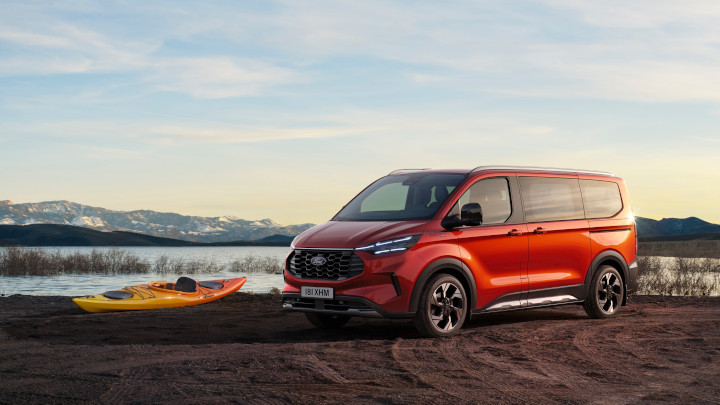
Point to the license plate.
(317, 292)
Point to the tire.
(442, 308)
(327, 321)
(606, 293)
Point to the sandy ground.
(244, 349)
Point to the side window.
(551, 199)
(602, 198)
(493, 195)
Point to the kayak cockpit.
(183, 285)
(117, 295)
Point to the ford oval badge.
(318, 261)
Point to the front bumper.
(382, 289)
(341, 305)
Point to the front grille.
(339, 265)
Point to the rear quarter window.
(601, 198)
(551, 199)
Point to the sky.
(287, 109)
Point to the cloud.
(59, 47)
(644, 51)
(366, 127)
(642, 14)
(54, 46)
(167, 130)
(254, 134)
(74, 50)
(640, 51)
(32, 39)
(574, 75)
(423, 78)
(112, 153)
(218, 77)
(707, 140)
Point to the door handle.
(540, 230)
(514, 232)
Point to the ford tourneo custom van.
(438, 246)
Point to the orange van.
(438, 246)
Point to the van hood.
(350, 234)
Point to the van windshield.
(401, 197)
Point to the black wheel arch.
(451, 266)
(611, 258)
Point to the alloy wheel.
(446, 306)
(609, 292)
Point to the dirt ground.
(244, 349)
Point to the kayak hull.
(149, 296)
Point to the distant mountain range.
(68, 235)
(674, 228)
(158, 224)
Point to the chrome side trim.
(609, 230)
(505, 305)
(551, 300)
(534, 299)
(532, 302)
(322, 248)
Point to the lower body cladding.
(632, 277)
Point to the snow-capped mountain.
(168, 225)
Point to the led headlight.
(391, 246)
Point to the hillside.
(674, 227)
(67, 235)
(159, 224)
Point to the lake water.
(92, 284)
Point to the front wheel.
(606, 293)
(326, 321)
(442, 308)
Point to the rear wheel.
(606, 293)
(442, 308)
(327, 321)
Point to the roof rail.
(399, 171)
(541, 169)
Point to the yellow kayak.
(184, 292)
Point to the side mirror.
(470, 215)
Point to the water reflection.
(91, 284)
